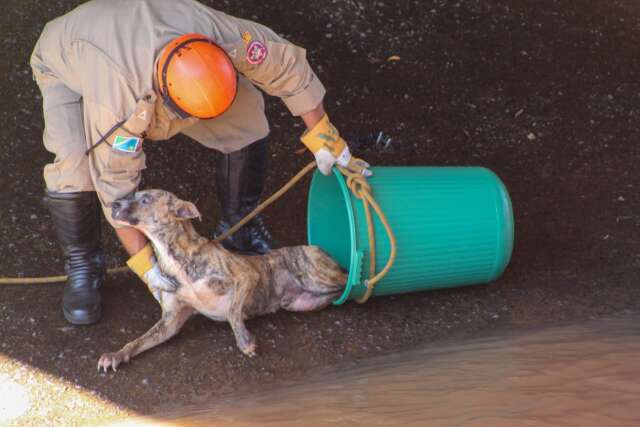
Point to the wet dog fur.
(212, 281)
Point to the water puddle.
(586, 375)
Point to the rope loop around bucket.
(361, 189)
(357, 183)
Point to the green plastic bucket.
(453, 227)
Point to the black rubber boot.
(240, 180)
(76, 217)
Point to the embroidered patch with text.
(128, 144)
(256, 53)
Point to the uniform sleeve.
(276, 66)
(108, 103)
(115, 165)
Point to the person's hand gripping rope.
(324, 141)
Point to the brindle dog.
(215, 282)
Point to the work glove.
(146, 267)
(324, 141)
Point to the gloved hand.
(145, 265)
(324, 141)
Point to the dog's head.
(152, 209)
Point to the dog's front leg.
(169, 324)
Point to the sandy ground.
(543, 92)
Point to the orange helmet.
(196, 77)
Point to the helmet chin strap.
(172, 109)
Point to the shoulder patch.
(128, 144)
(256, 52)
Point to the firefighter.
(114, 73)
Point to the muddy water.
(583, 375)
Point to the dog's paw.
(249, 350)
(112, 360)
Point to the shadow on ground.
(543, 92)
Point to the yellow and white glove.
(324, 141)
(145, 265)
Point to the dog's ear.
(186, 210)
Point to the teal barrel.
(453, 227)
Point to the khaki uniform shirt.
(94, 64)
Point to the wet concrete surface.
(545, 93)
(576, 374)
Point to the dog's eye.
(146, 199)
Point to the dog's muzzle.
(121, 211)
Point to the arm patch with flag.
(128, 144)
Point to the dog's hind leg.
(169, 324)
(244, 339)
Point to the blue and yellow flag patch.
(128, 144)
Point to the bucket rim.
(353, 256)
(506, 235)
